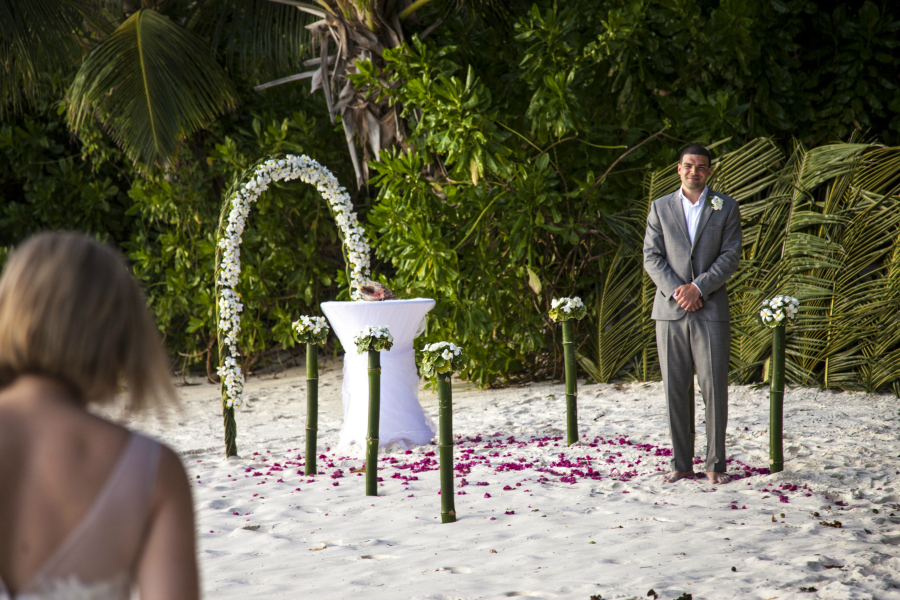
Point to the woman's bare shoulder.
(172, 483)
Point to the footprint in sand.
(456, 570)
(376, 556)
(529, 594)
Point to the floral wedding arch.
(228, 260)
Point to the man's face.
(694, 171)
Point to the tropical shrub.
(291, 254)
(165, 223)
(46, 183)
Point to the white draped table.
(402, 420)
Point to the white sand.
(617, 532)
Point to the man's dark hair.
(696, 150)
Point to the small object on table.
(373, 291)
(564, 310)
(441, 359)
(402, 420)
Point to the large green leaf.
(39, 39)
(151, 84)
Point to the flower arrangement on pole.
(564, 310)
(442, 359)
(777, 313)
(232, 223)
(313, 331)
(373, 338)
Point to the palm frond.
(616, 325)
(151, 84)
(826, 232)
(257, 39)
(38, 38)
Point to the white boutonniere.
(715, 202)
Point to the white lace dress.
(97, 559)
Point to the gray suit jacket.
(671, 261)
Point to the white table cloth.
(402, 419)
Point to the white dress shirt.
(692, 216)
(692, 211)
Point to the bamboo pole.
(571, 383)
(230, 428)
(374, 414)
(312, 406)
(776, 401)
(445, 448)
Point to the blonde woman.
(88, 509)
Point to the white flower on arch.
(228, 301)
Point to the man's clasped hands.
(688, 297)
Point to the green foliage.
(151, 83)
(152, 76)
(47, 184)
(166, 223)
(290, 253)
(525, 176)
(495, 226)
(827, 233)
(733, 68)
(459, 112)
(25, 27)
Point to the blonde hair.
(70, 310)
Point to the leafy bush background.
(504, 197)
(165, 224)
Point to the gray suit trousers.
(684, 345)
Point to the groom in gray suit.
(691, 248)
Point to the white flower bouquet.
(563, 309)
(779, 311)
(373, 337)
(312, 330)
(443, 357)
